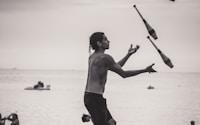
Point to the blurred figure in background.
(2, 120)
(14, 119)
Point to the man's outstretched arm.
(126, 57)
(117, 69)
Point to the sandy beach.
(174, 101)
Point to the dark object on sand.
(86, 118)
(192, 123)
(150, 87)
(48, 87)
(39, 86)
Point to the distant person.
(39, 85)
(14, 119)
(99, 64)
(2, 120)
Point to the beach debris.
(86, 118)
(150, 87)
(192, 122)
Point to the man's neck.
(100, 50)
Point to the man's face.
(105, 42)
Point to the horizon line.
(82, 69)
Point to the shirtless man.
(99, 64)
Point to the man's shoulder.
(107, 57)
(102, 57)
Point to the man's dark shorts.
(97, 107)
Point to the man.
(99, 64)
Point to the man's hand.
(150, 69)
(132, 50)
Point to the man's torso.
(97, 73)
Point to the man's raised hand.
(132, 50)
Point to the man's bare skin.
(99, 65)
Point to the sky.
(54, 34)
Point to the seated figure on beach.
(2, 120)
(14, 119)
(39, 85)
